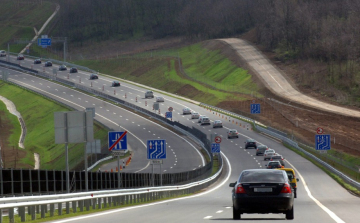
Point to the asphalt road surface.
(320, 198)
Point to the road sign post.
(117, 142)
(156, 151)
(322, 142)
(255, 109)
(168, 115)
(215, 148)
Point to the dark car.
(262, 191)
(48, 64)
(250, 143)
(62, 67)
(261, 150)
(95, 76)
(115, 83)
(37, 61)
(273, 165)
(20, 57)
(73, 70)
(278, 158)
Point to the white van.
(149, 94)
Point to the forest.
(324, 31)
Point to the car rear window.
(262, 177)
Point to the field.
(38, 114)
(19, 19)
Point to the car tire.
(236, 214)
(290, 213)
(237, 136)
(295, 194)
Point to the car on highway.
(205, 121)
(2, 53)
(95, 76)
(160, 99)
(48, 64)
(262, 191)
(115, 84)
(273, 165)
(149, 94)
(250, 143)
(200, 117)
(232, 133)
(261, 150)
(268, 153)
(194, 115)
(37, 61)
(217, 124)
(292, 178)
(20, 57)
(62, 67)
(186, 111)
(73, 70)
(278, 157)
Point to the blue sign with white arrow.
(215, 147)
(168, 114)
(44, 42)
(113, 137)
(322, 142)
(156, 149)
(255, 109)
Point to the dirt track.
(294, 118)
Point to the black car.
(278, 158)
(250, 143)
(73, 70)
(261, 150)
(95, 76)
(37, 61)
(62, 67)
(48, 64)
(273, 165)
(262, 191)
(115, 83)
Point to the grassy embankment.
(19, 22)
(38, 114)
(227, 81)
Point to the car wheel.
(290, 213)
(236, 214)
(237, 136)
(295, 195)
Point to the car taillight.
(255, 143)
(240, 189)
(286, 189)
(271, 160)
(282, 158)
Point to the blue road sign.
(168, 114)
(322, 142)
(255, 108)
(121, 145)
(215, 147)
(44, 42)
(156, 149)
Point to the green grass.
(208, 68)
(12, 120)
(38, 114)
(18, 21)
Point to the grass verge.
(334, 176)
(37, 113)
(11, 123)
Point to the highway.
(320, 198)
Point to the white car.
(232, 133)
(2, 53)
(186, 111)
(194, 115)
(160, 99)
(200, 117)
(205, 121)
(268, 154)
(217, 124)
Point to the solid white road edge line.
(156, 203)
(327, 210)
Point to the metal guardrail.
(96, 200)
